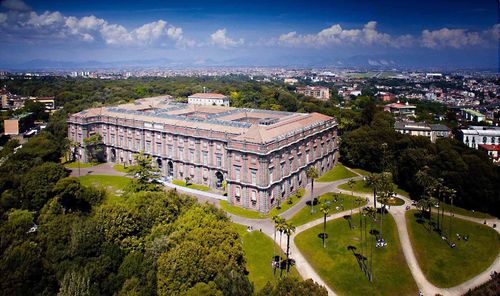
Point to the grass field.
(76, 164)
(446, 267)
(338, 172)
(304, 215)
(258, 254)
(285, 205)
(120, 168)
(114, 185)
(339, 268)
(191, 185)
(464, 212)
(361, 172)
(360, 186)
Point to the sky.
(381, 33)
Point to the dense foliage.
(468, 171)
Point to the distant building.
(475, 135)
(401, 109)
(386, 97)
(492, 150)
(18, 124)
(318, 92)
(431, 131)
(291, 81)
(471, 115)
(49, 102)
(208, 99)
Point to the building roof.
(473, 112)
(400, 106)
(318, 87)
(243, 124)
(423, 126)
(207, 96)
(489, 147)
(481, 131)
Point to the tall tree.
(325, 209)
(144, 172)
(312, 173)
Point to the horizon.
(195, 34)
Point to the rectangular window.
(137, 144)
(253, 160)
(238, 193)
(218, 146)
(169, 150)
(181, 153)
(218, 162)
(148, 146)
(191, 156)
(237, 173)
(205, 157)
(112, 139)
(271, 177)
(158, 148)
(253, 173)
(130, 143)
(254, 198)
(237, 157)
(307, 158)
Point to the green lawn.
(361, 172)
(464, 212)
(446, 267)
(285, 205)
(258, 250)
(337, 173)
(304, 215)
(338, 266)
(361, 187)
(120, 168)
(114, 185)
(191, 185)
(76, 164)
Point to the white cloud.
(336, 35)
(15, 5)
(219, 38)
(456, 38)
(31, 25)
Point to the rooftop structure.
(432, 131)
(261, 154)
(318, 92)
(209, 99)
(400, 109)
(475, 135)
(471, 115)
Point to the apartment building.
(261, 154)
(318, 92)
(431, 131)
(208, 99)
(475, 135)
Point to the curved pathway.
(302, 265)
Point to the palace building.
(260, 155)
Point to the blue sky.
(378, 33)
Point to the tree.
(94, 147)
(144, 173)
(75, 283)
(325, 209)
(351, 183)
(278, 222)
(370, 213)
(288, 229)
(312, 173)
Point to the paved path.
(101, 169)
(302, 265)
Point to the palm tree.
(359, 202)
(350, 183)
(325, 209)
(371, 213)
(288, 229)
(312, 173)
(371, 181)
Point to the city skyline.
(295, 33)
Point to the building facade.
(399, 109)
(475, 135)
(318, 92)
(431, 131)
(262, 155)
(208, 99)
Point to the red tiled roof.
(489, 147)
